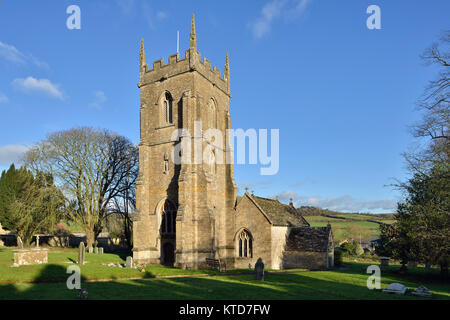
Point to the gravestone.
(259, 270)
(37, 241)
(396, 288)
(129, 263)
(81, 252)
(83, 293)
(100, 250)
(96, 250)
(384, 261)
(91, 250)
(422, 292)
(30, 256)
(19, 242)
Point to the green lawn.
(93, 269)
(49, 282)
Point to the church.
(188, 213)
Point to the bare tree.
(434, 126)
(90, 166)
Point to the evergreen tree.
(39, 207)
(421, 231)
(12, 184)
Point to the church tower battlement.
(192, 61)
(184, 212)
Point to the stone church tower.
(185, 212)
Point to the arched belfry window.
(245, 244)
(168, 218)
(212, 114)
(167, 109)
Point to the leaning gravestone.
(19, 242)
(259, 270)
(396, 288)
(129, 263)
(81, 252)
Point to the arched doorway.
(168, 232)
(168, 254)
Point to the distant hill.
(314, 211)
(346, 225)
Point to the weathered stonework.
(30, 256)
(281, 236)
(203, 200)
(189, 212)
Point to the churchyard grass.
(346, 283)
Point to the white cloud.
(161, 15)
(3, 98)
(11, 153)
(31, 84)
(99, 100)
(126, 6)
(12, 54)
(343, 203)
(274, 10)
(143, 9)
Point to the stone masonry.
(187, 212)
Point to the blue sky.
(342, 95)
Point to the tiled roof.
(280, 214)
(308, 239)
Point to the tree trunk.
(403, 268)
(128, 231)
(444, 271)
(90, 238)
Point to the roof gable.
(277, 213)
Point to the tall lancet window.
(168, 218)
(167, 109)
(245, 244)
(212, 114)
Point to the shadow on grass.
(414, 274)
(123, 253)
(289, 286)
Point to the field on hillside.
(350, 225)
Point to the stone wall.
(278, 244)
(250, 218)
(204, 196)
(304, 260)
(30, 256)
(2, 231)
